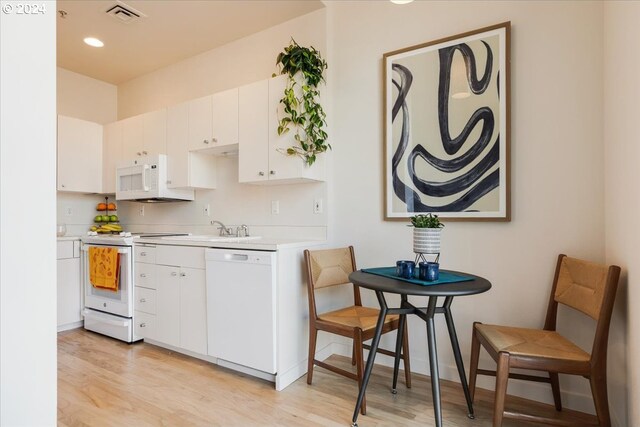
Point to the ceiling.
(171, 31)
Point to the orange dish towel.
(104, 268)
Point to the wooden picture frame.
(447, 127)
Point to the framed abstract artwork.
(447, 127)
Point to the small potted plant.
(426, 233)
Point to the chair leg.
(502, 377)
(473, 364)
(313, 336)
(405, 357)
(357, 345)
(555, 388)
(353, 355)
(599, 390)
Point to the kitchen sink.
(211, 238)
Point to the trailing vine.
(302, 110)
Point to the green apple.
(113, 218)
(105, 218)
(98, 218)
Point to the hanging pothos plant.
(302, 111)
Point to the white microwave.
(145, 180)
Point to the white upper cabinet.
(213, 122)
(79, 155)
(186, 169)
(144, 135)
(269, 165)
(111, 155)
(253, 152)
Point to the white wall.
(556, 160)
(243, 61)
(622, 156)
(86, 98)
(27, 194)
(89, 99)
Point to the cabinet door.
(193, 310)
(168, 305)
(112, 154)
(132, 137)
(177, 146)
(79, 155)
(69, 291)
(281, 166)
(224, 118)
(154, 127)
(200, 123)
(253, 154)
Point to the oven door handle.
(85, 248)
(121, 323)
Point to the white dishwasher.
(241, 302)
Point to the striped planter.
(426, 240)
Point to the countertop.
(67, 238)
(262, 244)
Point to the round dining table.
(383, 284)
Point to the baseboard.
(291, 375)
(69, 326)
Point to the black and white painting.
(447, 127)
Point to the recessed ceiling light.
(401, 1)
(92, 41)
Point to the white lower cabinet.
(69, 285)
(171, 303)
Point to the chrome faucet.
(242, 231)
(224, 230)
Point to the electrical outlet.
(141, 210)
(275, 207)
(206, 210)
(68, 211)
(317, 206)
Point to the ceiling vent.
(124, 13)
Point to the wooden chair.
(332, 267)
(584, 286)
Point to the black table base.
(427, 314)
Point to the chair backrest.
(587, 287)
(329, 267)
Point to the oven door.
(119, 303)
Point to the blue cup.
(432, 271)
(405, 269)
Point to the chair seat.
(531, 343)
(356, 316)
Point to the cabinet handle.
(259, 173)
(183, 274)
(272, 172)
(144, 152)
(143, 300)
(168, 181)
(174, 274)
(206, 141)
(214, 140)
(143, 325)
(62, 185)
(143, 254)
(143, 275)
(139, 153)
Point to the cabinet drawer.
(146, 254)
(145, 325)
(145, 275)
(65, 249)
(145, 300)
(183, 256)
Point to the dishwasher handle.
(236, 257)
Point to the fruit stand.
(106, 222)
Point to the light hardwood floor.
(104, 382)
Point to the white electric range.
(111, 312)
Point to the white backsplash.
(235, 204)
